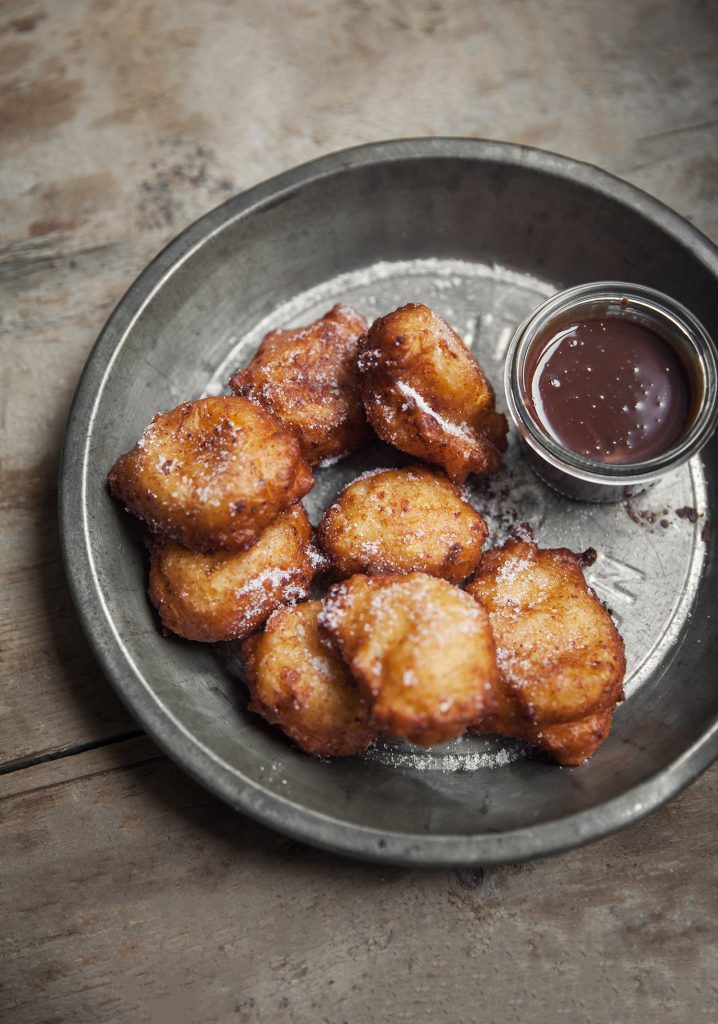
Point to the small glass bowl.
(587, 479)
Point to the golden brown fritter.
(560, 655)
(297, 682)
(561, 659)
(212, 474)
(572, 743)
(569, 743)
(307, 377)
(403, 520)
(228, 595)
(425, 393)
(420, 649)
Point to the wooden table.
(128, 893)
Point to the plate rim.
(182, 746)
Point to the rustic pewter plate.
(482, 231)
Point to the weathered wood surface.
(129, 893)
(135, 896)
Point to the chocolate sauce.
(609, 389)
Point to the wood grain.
(132, 895)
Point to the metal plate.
(481, 231)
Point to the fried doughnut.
(401, 521)
(569, 743)
(212, 474)
(572, 743)
(297, 682)
(307, 377)
(425, 393)
(420, 649)
(560, 655)
(228, 595)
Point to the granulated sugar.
(458, 430)
(332, 460)
(459, 760)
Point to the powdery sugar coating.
(420, 649)
(459, 761)
(297, 682)
(425, 393)
(414, 399)
(212, 474)
(559, 653)
(403, 520)
(221, 596)
(307, 377)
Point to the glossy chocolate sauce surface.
(609, 389)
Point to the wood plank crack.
(31, 760)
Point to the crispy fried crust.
(227, 596)
(561, 658)
(559, 652)
(212, 474)
(569, 743)
(572, 743)
(403, 520)
(425, 393)
(297, 682)
(420, 649)
(307, 377)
